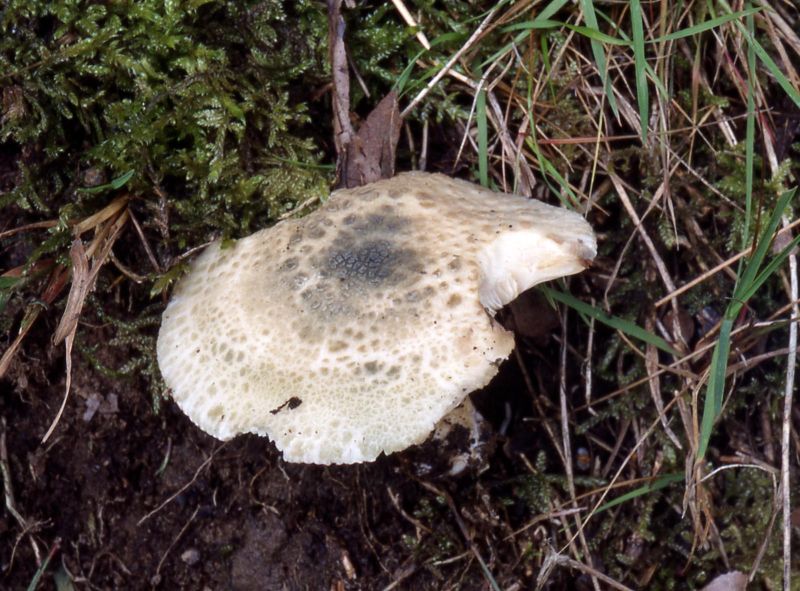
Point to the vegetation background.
(643, 435)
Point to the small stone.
(191, 556)
(92, 406)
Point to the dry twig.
(476, 34)
(175, 495)
(8, 493)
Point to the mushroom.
(352, 331)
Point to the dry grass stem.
(175, 495)
(451, 62)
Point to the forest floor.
(145, 132)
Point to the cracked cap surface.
(352, 331)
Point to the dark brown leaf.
(371, 154)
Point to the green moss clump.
(194, 97)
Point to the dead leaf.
(371, 154)
(83, 280)
(77, 291)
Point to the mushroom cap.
(352, 331)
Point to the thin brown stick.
(553, 559)
(411, 22)
(567, 444)
(626, 202)
(83, 280)
(156, 579)
(145, 244)
(451, 62)
(461, 526)
(544, 517)
(34, 226)
(711, 272)
(395, 498)
(8, 492)
(786, 428)
(342, 128)
(651, 364)
(175, 495)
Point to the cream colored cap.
(351, 332)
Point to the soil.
(127, 496)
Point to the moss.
(200, 114)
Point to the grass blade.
(640, 64)
(626, 326)
(770, 269)
(706, 25)
(749, 282)
(657, 484)
(543, 16)
(115, 184)
(483, 137)
(599, 55)
(550, 9)
(627, 42)
(772, 67)
(588, 32)
(750, 139)
(756, 259)
(765, 58)
(715, 390)
(402, 80)
(550, 171)
(545, 165)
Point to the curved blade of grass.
(588, 32)
(544, 15)
(629, 328)
(773, 68)
(483, 137)
(715, 390)
(37, 576)
(518, 39)
(750, 280)
(9, 282)
(551, 171)
(479, 16)
(599, 54)
(756, 259)
(544, 163)
(768, 62)
(657, 484)
(548, 68)
(542, 20)
(549, 10)
(648, 68)
(750, 139)
(770, 269)
(640, 65)
(115, 184)
(7, 285)
(534, 25)
(706, 25)
(402, 79)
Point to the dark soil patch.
(129, 498)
